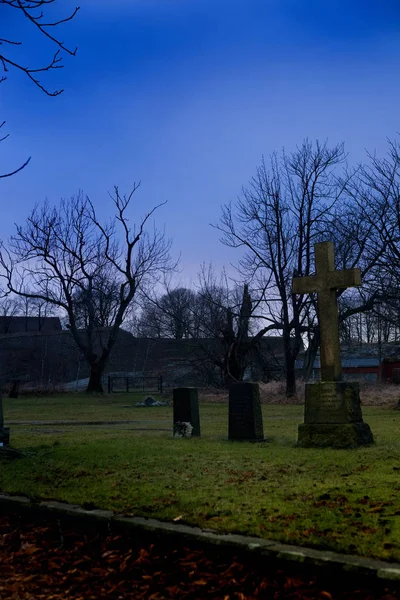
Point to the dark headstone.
(332, 416)
(245, 417)
(4, 437)
(186, 408)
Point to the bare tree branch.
(67, 258)
(290, 204)
(27, 9)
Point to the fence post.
(127, 383)
(160, 382)
(109, 384)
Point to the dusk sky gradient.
(186, 96)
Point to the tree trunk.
(14, 392)
(290, 360)
(290, 377)
(234, 364)
(310, 355)
(95, 383)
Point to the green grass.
(345, 500)
(75, 407)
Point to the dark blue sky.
(187, 95)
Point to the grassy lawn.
(77, 407)
(345, 500)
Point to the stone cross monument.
(332, 407)
(325, 283)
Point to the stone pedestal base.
(245, 417)
(332, 416)
(186, 408)
(329, 435)
(4, 437)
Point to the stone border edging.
(270, 549)
(71, 422)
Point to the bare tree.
(220, 319)
(375, 191)
(10, 173)
(169, 316)
(177, 307)
(278, 219)
(226, 315)
(61, 252)
(147, 324)
(100, 303)
(32, 12)
(377, 194)
(10, 307)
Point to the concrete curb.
(354, 566)
(78, 423)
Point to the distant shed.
(361, 368)
(354, 368)
(391, 370)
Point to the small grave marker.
(4, 431)
(186, 408)
(245, 416)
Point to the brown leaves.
(29, 549)
(238, 477)
(59, 561)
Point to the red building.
(354, 368)
(361, 369)
(391, 370)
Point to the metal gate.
(129, 383)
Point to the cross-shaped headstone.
(324, 284)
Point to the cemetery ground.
(342, 500)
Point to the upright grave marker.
(186, 408)
(245, 417)
(4, 431)
(332, 414)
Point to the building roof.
(360, 362)
(347, 362)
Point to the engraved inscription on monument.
(332, 402)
